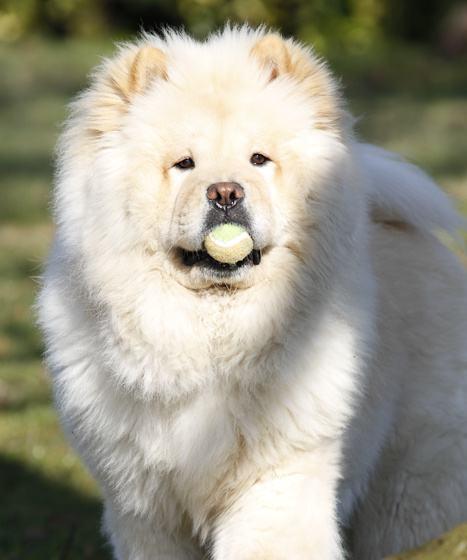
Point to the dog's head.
(176, 137)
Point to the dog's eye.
(186, 163)
(259, 159)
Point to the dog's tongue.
(228, 243)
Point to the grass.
(50, 507)
(451, 546)
(409, 101)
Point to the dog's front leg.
(135, 537)
(290, 514)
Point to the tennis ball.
(228, 243)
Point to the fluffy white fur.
(264, 415)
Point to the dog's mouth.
(203, 259)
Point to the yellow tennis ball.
(228, 243)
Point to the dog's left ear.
(285, 57)
(272, 53)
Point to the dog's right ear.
(117, 83)
(133, 72)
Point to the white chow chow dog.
(260, 410)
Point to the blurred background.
(403, 67)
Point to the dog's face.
(204, 134)
(210, 157)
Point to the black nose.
(225, 195)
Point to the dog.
(305, 403)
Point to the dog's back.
(414, 408)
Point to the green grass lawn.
(49, 505)
(410, 101)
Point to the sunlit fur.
(254, 416)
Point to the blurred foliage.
(351, 24)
